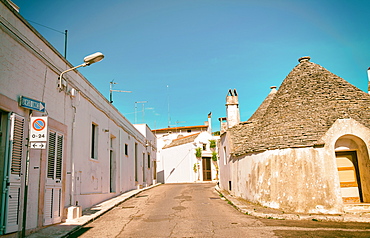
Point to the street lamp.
(90, 59)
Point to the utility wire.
(64, 33)
(46, 27)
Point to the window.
(189, 131)
(204, 146)
(55, 156)
(148, 161)
(126, 149)
(94, 141)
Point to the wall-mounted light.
(88, 60)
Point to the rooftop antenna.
(178, 122)
(142, 111)
(111, 91)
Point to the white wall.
(178, 161)
(30, 66)
(300, 179)
(178, 164)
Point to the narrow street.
(197, 210)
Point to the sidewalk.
(64, 229)
(270, 213)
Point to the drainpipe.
(72, 186)
(26, 180)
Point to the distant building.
(89, 153)
(305, 149)
(176, 160)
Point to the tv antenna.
(111, 83)
(143, 111)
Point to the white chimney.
(209, 123)
(232, 108)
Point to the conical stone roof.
(308, 102)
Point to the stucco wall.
(298, 179)
(29, 66)
(178, 164)
(178, 161)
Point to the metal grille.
(17, 144)
(51, 155)
(59, 157)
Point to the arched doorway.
(352, 162)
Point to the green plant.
(212, 144)
(198, 152)
(195, 167)
(214, 159)
(214, 156)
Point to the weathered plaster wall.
(298, 179)
(224, 163)
(350, 135)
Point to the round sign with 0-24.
(38, 130)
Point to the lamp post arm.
(61, 74)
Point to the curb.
(118, 200)
(62, 230)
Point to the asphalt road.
(197, 210)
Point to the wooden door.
(53, 186)
(207, 170)
(349, 177)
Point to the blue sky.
(182, 56)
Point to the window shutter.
(51, 155)
(17, 144)
(59, 157)
(13, 199)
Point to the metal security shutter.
(14, 184)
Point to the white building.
(176, 160)
(92, 153)
(180, 165)
(148, 162)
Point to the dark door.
(206, 164)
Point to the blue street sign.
(32, 104)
